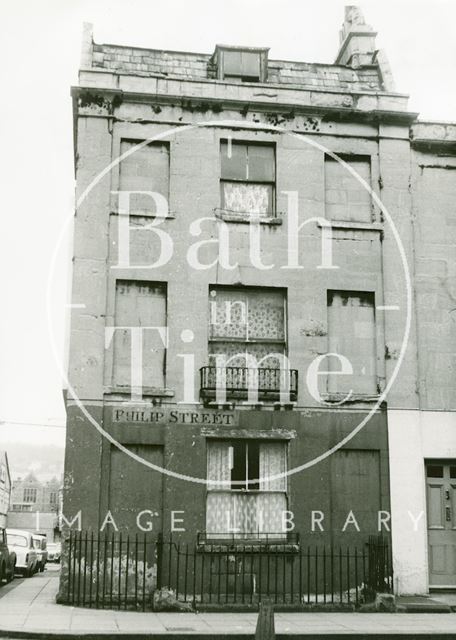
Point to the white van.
(21, 542)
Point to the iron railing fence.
(109, 571)
(272, 384)
(122, 572)
(287, 572)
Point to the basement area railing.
(123, 572)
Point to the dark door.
(441, 519)
(355, 487)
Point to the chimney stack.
(357, 40)
(87, 46)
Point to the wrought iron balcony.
(236, 382)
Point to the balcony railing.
(237, 382)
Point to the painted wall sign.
(175, 416)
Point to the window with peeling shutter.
(140, 304)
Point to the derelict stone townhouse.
(244, 151)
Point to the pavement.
(28, 610)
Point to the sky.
(40, 50)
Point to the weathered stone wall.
(194, 193)
(140, 94)
(434, 220)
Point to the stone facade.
(427, 433)
(31, 494)
(190, 109)
(36, 506)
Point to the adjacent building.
(35, 505)
(422, 434)
(262, 337)
(5, 488)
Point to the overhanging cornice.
(338, 113)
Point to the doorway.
(441, 521)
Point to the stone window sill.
(246, 218)
(146, 214)
(354, 397)
(356, 226)
(150, 392)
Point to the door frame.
(427, 462)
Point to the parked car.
(7, 559)
(40, 544)
(21, 543)
(54, 550)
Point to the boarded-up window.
(248, 321)
(351, 333)
(145, 169)
(245, 496)
(248, 178)
(243, 64)
(356, 486)
(134, 487)
(346, 199)
(140, 304)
